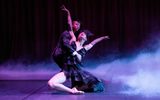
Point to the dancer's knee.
(52, 84)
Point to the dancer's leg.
(57, 81)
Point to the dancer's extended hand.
(64, 8)
(106, 37)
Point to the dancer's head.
(83, 35)
(76, 25)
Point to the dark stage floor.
(38, 90)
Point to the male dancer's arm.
(66, 41)
(70, 24)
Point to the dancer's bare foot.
(75, 91)
(74, 88)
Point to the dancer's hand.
(106, 37)
(64, 8)
(75, 53)
(79, 56)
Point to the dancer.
(60, 55)
(81, 80)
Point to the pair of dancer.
(68, 54)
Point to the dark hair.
(77, 21)
(87, 32)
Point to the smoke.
(12, 70)
(140, 74)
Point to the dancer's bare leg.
(57, 81)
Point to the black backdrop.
(30, 28)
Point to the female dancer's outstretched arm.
(90, 45)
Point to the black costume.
(71, 66)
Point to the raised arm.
(90, 45)
(69, 23)
(68, 17)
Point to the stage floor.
(38, 90)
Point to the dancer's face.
(76, 25)
(82, 36)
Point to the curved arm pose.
(73, 28)
(82, 38)
(69, 23)
(90, 45)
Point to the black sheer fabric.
(80, 79)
